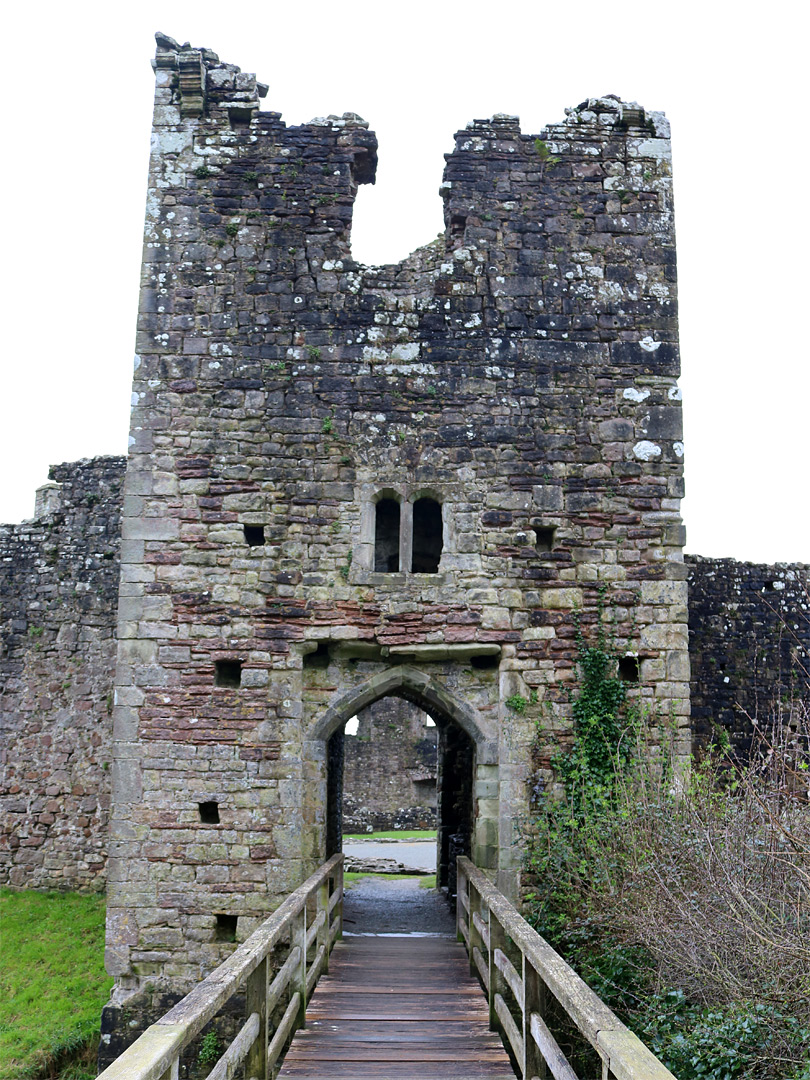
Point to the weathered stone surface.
(290, 404)
(390, 769)
(749, 644)
(59, 589)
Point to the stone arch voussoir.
(418, 687)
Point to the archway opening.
(418, 770)
(390, 769)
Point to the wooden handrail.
(486, 922)
(156, 1054)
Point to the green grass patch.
(394, 834)
(426, 881)
(52, 980)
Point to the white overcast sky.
(730, 76)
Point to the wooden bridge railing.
(491, 928)
(309, 921)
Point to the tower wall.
(521, 371)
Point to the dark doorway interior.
(455, 802)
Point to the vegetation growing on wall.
(683, 900)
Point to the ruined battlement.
(749, 627)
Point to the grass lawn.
(426, 881)
(52, 979)
(394, 834)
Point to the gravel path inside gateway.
(395, 906)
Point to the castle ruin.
(346, 484)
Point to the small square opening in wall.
(239, 118)
(485, 663)
(225, 929)
(544, 538)
(254, 535)
(319, 658)
(228, 673)
(209, 813)
(629, 669)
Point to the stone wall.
(749, 644)
(749, 627)
(390, 769)
(519, 374)
(59, 593)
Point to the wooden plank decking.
(397, 1008)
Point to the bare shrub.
(716, 881)
(685, 900)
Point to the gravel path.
(417, 853)
(395, 906)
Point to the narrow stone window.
(225, 929)
(457, 225)
(209, 813)
(254, 535)
(544, 538)
(629, 669)
(427, 536)
(228, 673)
(386, 537)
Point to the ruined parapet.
(351, 482)
(749, 643)
(59, 592)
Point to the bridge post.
(173, 1071)
(256, 1002)
(462, 898)
(497, 983)
(298, 936)
(534, 1001)
(476, 941)
(323, 929)
(338, 880)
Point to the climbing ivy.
(603, 725)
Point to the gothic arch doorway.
(463, 750)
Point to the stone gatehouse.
(347, 483)
(749, 639)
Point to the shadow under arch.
(463, 746)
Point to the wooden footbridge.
(393, 1008)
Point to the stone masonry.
(390, 768)
(348, 482)
(749, 639)
(358, 490)
(749, 631)
(59, 593)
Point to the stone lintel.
(428, 653)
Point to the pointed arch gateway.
(467, 754)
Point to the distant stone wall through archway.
(467, 764)
(390, 768)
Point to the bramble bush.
(681, 896)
